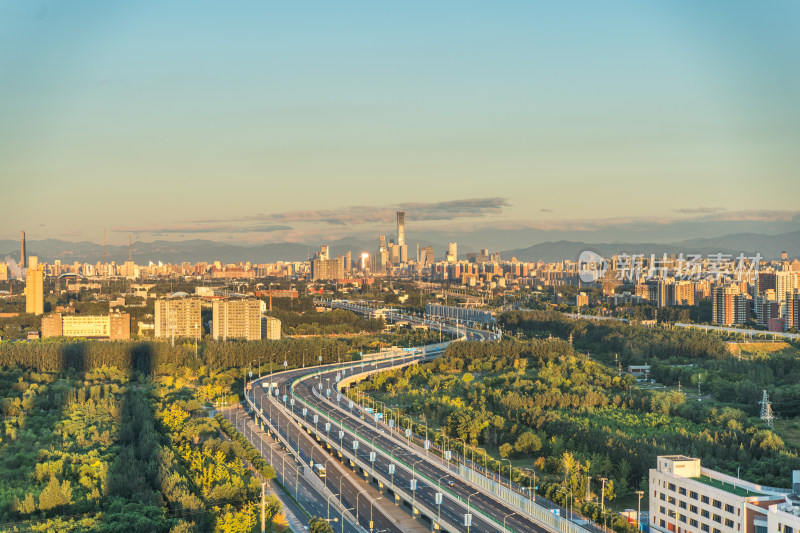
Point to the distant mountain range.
(769, 246)
(195, 250)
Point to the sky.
(311, 121)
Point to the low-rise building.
(270, 328)
(116, 326)
(687, 498)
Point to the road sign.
(438, 498)
(467, 519)
(408, 433)
(391, 469)
(413, 484)
(448, 455)
(355, 444)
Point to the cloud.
(361, 214)
(204, 228)
(756, 215)
(698, 210)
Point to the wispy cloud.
(757, 215)
(361, 214)
(698, 210)
(202, 228)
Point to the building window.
(717, 530)
(704, 527)
(663, 497)
(693, 495)
(671, 514)
(672, 487)
(662, 523)
(682, 518)
(704, 499)
(682, 491)
(717, 504)
(671, 500)
(761, 529)
(728, 522)
(787, 529)
(728, 508)
(704, 513)
(661, 510)
(717, 518)
(693, 523)
(693, 508)
(682, 504)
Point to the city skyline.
(271, 125)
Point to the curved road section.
(306, 408)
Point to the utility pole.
(263, 507)
(603, 496)
(639, 510)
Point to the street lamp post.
(504, 520)
(509, 471)
(469, 522)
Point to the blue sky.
(307, 121)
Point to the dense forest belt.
(160, 357)
(688, 357)
(494, 395)
(109, 450)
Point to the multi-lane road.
(306, 408)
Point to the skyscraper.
(452, 252)
(401, 228)
(34, 292)
(22, 253)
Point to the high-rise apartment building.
(327, 268)
(178, 317)
(34, 290)
(793, 310)
(3, 272)
(785, 283)
(729, 305)
(238, 318)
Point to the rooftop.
(727, 487)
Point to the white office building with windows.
(687, 498)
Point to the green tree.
(505, 450)
(55, 495)
(319, 525)
(528, 443)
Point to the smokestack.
(23, 262)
